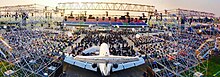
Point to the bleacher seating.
(116, 23)
(106, 22)
(90, 22)
(132, 23)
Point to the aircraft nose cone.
(105, 73)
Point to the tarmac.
(74, 71)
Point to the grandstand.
(36, 39)
(105, 22)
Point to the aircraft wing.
(87, 61)
(91, 50)
(127, 65)
(80, 64)
(106, 59)
(121, 61)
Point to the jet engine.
(115, 65)
(94, 65)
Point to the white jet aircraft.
(104, 62)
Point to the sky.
(200, 5)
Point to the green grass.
(213, 66)
(4, 66)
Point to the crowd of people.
(31, 45)
(36, 48)
(118, 46)
(34, 43)
(119, 31)
(64, 38)
(171, 49)
(143, 40)
(193, 40)
(25, 40)
(167, 44)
